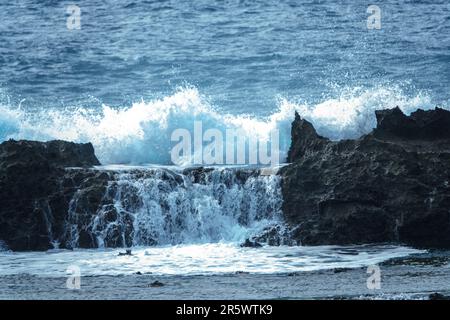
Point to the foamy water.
(212, 258)
(141, 133)
(156, 205)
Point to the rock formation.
(34, 197)
(51, 196)
(391, 185)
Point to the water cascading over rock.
(142, 207)
(53, 196)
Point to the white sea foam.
(141, 133)
(198, 259)
(352, 113)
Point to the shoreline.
(413, 277)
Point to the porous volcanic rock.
(391, 185)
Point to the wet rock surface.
(36, 188)
(250, 244)
(53, 197)
(391, 185)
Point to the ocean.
(125, 75)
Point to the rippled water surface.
(242, 54)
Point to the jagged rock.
(275, 235)
(306, 139)
(391, 185)
(421, 125)
(34, 195)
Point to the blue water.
(255, 61)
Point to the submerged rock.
(391, 185)
(438, 296)
(156, 284)
(340, 270)
(239, 272)
(250, 244)
(126, 253)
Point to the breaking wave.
(141, 133)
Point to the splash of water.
(160, 206)
(141, 133)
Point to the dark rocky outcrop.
(250, 244)
(391, 185)
(35, 189)
(50, 196)
(55, 153)
(438, 296)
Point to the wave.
(352, 113)
(141, 133)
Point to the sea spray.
(141, 133)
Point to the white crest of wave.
(135, 135)
(141, 133)
(352, 113)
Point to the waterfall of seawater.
(159, 206)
